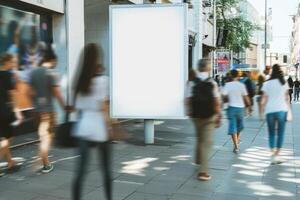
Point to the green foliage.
(239, 29)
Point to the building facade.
(26, 26)
(295, 45)
(252, 57)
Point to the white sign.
(148, 58)
(55, 5)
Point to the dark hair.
(202, 64)
(192, 75)
(234, 73)
(6, 57)
(49, 55)
(277, 73)
(89, 67)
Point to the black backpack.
(202, 100)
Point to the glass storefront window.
(26, 36)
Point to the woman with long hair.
(92, 100)
(276, 104)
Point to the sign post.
(148, 62)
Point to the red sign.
(223, 61)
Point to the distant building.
(295, 44)
(252, 57)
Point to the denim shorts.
(236, 120)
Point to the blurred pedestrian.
(260, 82)
(296, 89)
(250, 90)
(9, 115)
(205, 109)
(276, 104)
(45, 88)
(218, 80)
(236, 94)
(291, 88)
(92, 100)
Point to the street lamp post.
(266, 29)
(214, 37)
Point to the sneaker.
(1, 174)
(236, 150)
(204, 177)
(275, 160)
(48, 168)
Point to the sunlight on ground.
(256, 163)
(137, 167)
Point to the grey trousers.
(205, 134)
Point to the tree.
(240, 30)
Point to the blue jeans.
(277, 119)
(236, 120)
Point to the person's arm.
(58, 95)
(247, 100)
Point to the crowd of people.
(235, 93)
(90, 95)
(205, 104)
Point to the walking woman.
(276, 103)
(91, 130)
(8, 112)
(236, 94)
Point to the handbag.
(64, 137)
(116, 132)
(289, 116)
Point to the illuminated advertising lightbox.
(148, 61)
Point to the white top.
(91, 125)
(235, 92)
(276, 93)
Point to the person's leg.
(271, 121)
(298, 91)
(240, 122)
(45, 138)
(232, 128)
(105, 152)
(197, 150)
(281, 131)
(82, 163)
(206, 142)
(6, 153)
(291, 96)
(235, 141)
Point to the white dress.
(91, 124)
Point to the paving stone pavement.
(165, 171)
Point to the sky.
(282, 21)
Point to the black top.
(297, 84)
(6, 84)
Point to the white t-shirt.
(235, 92)
(276, 93)
(91, 125)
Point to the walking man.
(205, 109)
(45, 87)
(236, 94)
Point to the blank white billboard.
(148, 58)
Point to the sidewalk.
(165, 171)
